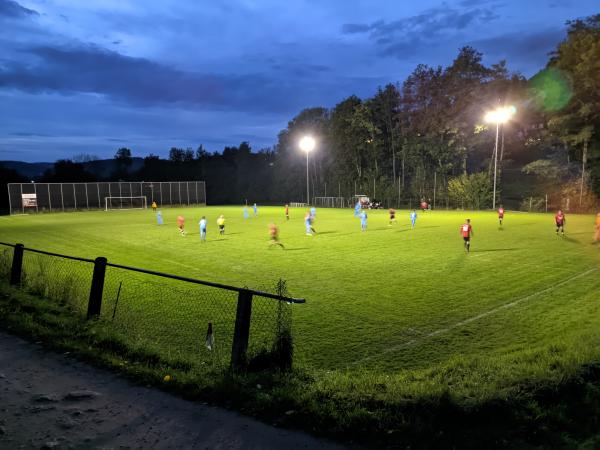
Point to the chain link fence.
(49, 197)
(180, 319)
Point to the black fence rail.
(182, 318)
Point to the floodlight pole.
(307, 185)
(495, 163)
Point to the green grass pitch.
(389, 299)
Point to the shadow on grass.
(295, 249)
(325, 232)
(495, 250)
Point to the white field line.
(413, 342)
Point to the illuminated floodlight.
(307, 144)
(500, 115)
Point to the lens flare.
(551, 89)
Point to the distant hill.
(28, 170)
(101, 168)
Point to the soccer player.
(357, 208)
(363, 221)
(313, 213)
(202, 224)
(308, 221)
(500, 215)
(274, 234)
(255, 208)
(287, 212)
(221, 224)
(466, 230)
(246, 215)
(181, 224)
(560, 222)
(154, 206)
(597, 236)
(392, 216)
(159, 218)
(413, 217)
(423, 205)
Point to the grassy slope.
(375, 298)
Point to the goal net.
(111, 203)
(329, 202)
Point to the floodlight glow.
(307, 144)
(500, 115)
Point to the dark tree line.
(424, 137)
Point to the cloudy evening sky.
(92, 76)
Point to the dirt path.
(48, 400)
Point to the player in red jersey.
(392, 216)
(500, 214)
(466, 230)
(560, 220)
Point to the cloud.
(9, 8)
(90, 69)
(407, 36)
(430, 22)
(527, 50)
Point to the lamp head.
(307, 144)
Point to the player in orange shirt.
(274, 234)
(466, 231)
(597, 236)
(287, 212)
(500, 214)
(181, 224)
(560, 222)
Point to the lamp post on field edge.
(498, 116)
(307, 144)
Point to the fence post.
(241, 332)
(17, 264)
(95, 301)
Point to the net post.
(241, 332)
(95, 300)
(17, 265)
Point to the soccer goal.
(138, 202)
(329, 202)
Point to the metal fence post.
(241, 332)
(95, 301)
(17, 264)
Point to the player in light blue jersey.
(413, 217)
(313, 212)
(363, 221)
(159, 218)
(255, 208)
(308, 221)
(202, 224)
(246, 215)
(357, 208)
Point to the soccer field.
(388, 299)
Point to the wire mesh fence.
(170, 316)
(42, 197)
(180, 319)
(64, 280)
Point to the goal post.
(329, 202)
(135, 202)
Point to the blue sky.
(92, 76)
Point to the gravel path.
(49, 400)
